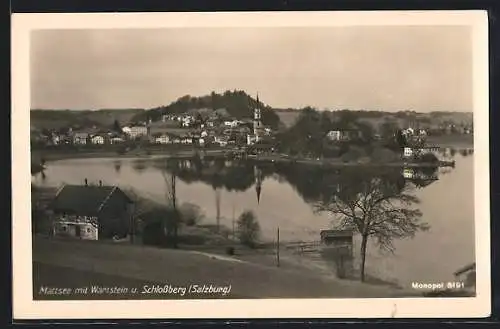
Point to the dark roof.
(86, 200)
(335, 233)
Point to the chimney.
(86, 182)
(100, 182)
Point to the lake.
(287, 195)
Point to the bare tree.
(378, 208)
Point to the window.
(64, 228)
(88, 229)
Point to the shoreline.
(52, 156)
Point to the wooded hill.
(237, 104)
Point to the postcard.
(250, 165)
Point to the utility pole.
(132, 227)
(217, 207)
(174, 206)
(278, 247)
(234, 233)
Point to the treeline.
(307, 137)
(236, 103)
(59, 119)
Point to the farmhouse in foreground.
(91, 212)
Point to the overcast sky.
(379, 68)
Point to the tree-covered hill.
(237, 104)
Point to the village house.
(80, 138)
(162, 139)
(221, 140)
(348, 134)
(187, 121)
(61, 139)
(232, 123)
(138, 131)
(338, 135)
(97, 140)
(187, 140)
(116, 140)
(126, 130)
(91, 212)
(333, 135)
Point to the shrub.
(230, 251)
(248, 229)
(191, 214)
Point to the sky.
(390, 68)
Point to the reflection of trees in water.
(139, 165)
(466, 152)
(312, 183)
(234, 176)
(117, 165)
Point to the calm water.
(286, 200)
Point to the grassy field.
(73, 264)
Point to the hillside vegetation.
(236, 104)
(402, 119)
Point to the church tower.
(257, 123)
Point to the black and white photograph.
(252, 160)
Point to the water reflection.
(450, 152)
(313, 183)
(117, 165)
(376, 203)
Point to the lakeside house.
(97, 140)
(343, 134)
(80, 138)
(334, 135)
(91, 212)
(116, 140)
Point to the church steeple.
(257, 124)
